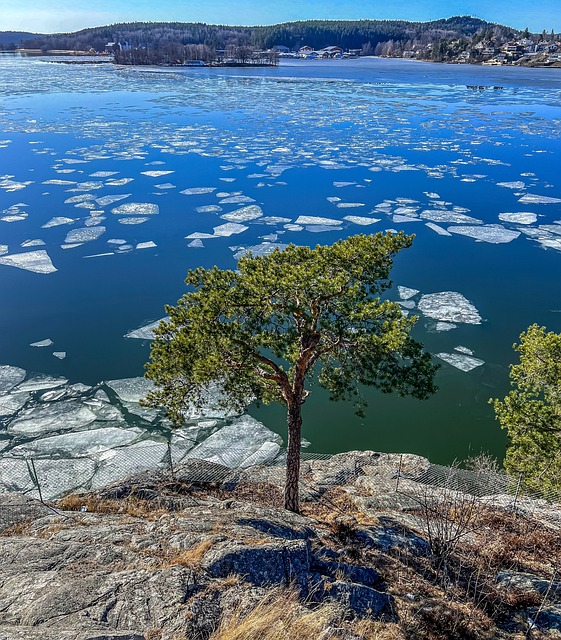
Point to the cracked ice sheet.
(116, 464)
(229, 228)
(55, 222)
(35, 261)
(86, 234)
(42, 343)
(361, 220)
(519, 218)
(460, 361)
(10, 377)
(440, 230)
(263, 249)
(316, 220)
(405, 292)
(80, 443)
(492, 233)
(449, 306)
(241, 444)
(448, 216)
(531, 198)
(243, 215)
(56, 416)
(147, 331)
(131, 389)
(12, 403)
(136, 209)
(58, 477)
(198, 191)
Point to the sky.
(71, 15)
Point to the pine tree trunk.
(291, 493)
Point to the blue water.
(396, 129)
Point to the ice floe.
(85, 234)
(42, 343)
(229, 228)
(156, 174)
(461, 361)
(521, 217)
(208, 208)
(59, 354)
(316, 220)
(361, 220)
(105, 201)
(54, 416)
(57, 221)
(35, 261)
(263, 249)
(198, 191)
(449, 306)
(40, 382)
(136, 209)
(245, 214)
(436, 228)
(405, 293)
(530, 198)
(10, 377)
(518, 184)
(243, 443)
(492, 233)
(131, 389)
(146, 245)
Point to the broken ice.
(460, 361)
(35, 261)
(449, 306)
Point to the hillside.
(348, 34)
(16, 37)
(207, 554)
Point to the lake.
(119, 180)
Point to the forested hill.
(348, 34)
(8, 38)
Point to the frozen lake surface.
(115, 181)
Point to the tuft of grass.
(192, 557)
(278, 616)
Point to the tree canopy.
(261, 330)
(531, 412)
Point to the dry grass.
(131, 506)
(191, 557)
(278, 616)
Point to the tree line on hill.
(369, 36)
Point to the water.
(279, 139)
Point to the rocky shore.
(157, 557)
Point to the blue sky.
(70, 15)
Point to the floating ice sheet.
(85, 234)
(57, 221)
(243, 215)
(449, 306)
(463, 350)
(518, 184)
(198, 191)
(209, 208)
(136, 209)
(519, 218)
(131, 389)
(40, 382)
(42, 343)
(440, 230)
(405, 292)
(132, 220)
(437, 215)
(82, 443)
(146, 245)
(244, 443)
(12, 403)
(59, 354)
(361, 220)
(531, 198)
(35, 261)
(105, 201)
(10, 377)
(492, 233)
(314, 220)
(156, 174)
(32, 243)
(236, 200)
(263, 249)
(54, 416)
(445, 326)
(229, 228)
(460, 361)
